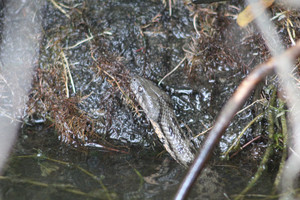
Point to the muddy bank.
(102, 42)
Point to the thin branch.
(237, 140)
(195, 24)
(55, 4)
(81, 42)
(227, 113)
(66, 65)
(173, 70)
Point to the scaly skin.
(158, 108)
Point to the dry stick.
(173, 70)
(60, 8)
(195, 24)
(227, 113)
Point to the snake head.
(148, 96)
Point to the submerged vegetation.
(47, 168)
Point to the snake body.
(158, 108)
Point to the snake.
(157, 106)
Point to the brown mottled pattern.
(157, 106)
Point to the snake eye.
(140, 89)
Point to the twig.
(66, 80)
(60, 8)
(241, 134)
(195, 24)
(4, 113)
(168, 74)
(257, 101)
(227, 113)
(69, 72)
(245, 145)
(170, 7)
(291, 35)
(80, 42)
(203, 132)
(7, 84)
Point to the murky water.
(148, 41)
(43, 168)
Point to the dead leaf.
(246, 16)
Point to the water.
(43, 168)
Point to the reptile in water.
(158, 108)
